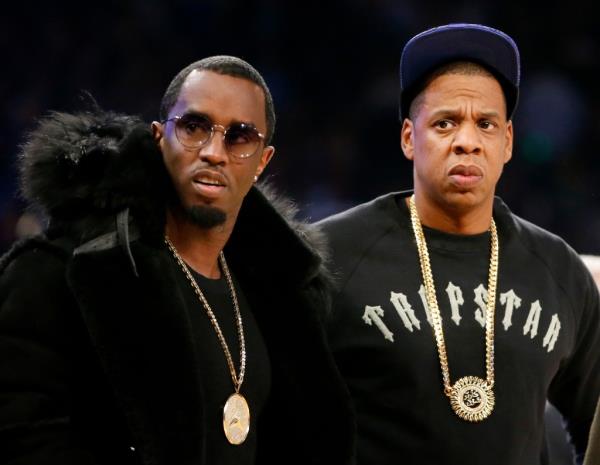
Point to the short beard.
(205, 216)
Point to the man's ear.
(157, 131)
(406, 138)
(509, 142)
(265, 158)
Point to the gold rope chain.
(237, 381)
(471, 398)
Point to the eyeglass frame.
(220, 127)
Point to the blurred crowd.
(333, 70)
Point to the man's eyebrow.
(448, 111)
(201, 114)
(490, 114)
(192, 112)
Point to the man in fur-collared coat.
(171, 314)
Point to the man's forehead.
(209, 92)
(447, 91)
(199, 76)
(466, 80)
(205, 80)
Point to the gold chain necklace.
(471, 397)
(236, 413)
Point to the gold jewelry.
(236, 413)
(471, 397)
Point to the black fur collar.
(82, 169)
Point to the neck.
(454, 220)
(199, 247)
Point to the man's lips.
(209, 182)
(466, 175)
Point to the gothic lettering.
(481, 296)
(511, 301)
(533, 319)
(405, 311)
(456, 300)
(552, 333)
(374, 315)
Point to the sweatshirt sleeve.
(575, 389)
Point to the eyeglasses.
(194, 131)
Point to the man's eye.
(443, 124)
(486, 124)
(239, 138)
(241, 135)
(191, 124)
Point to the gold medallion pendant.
(236, 412)
(472, 399)
(236, 419)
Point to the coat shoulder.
(34, 267)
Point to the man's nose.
(467, 139)
(215, 149)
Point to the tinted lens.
(242, 140)
(193, 131)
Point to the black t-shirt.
(547, 336)
(215, 378)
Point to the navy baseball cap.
(489, 47)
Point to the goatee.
(205, 216)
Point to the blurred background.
(333, 70)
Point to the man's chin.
(206, 216)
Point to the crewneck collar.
(444, 241)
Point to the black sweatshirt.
(547, 337)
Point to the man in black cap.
(455, 320)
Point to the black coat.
(96, 358)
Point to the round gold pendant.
(236, 419)
(472, 399)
